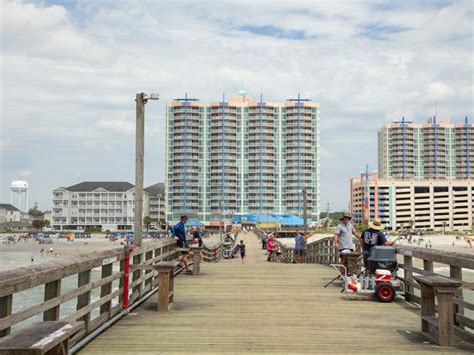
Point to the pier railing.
(212, 254)
(88, 288)
(430, 262)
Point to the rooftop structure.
(241, 156)
(437, 149)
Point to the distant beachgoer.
(42, 252)
(270, 247)
(32, 258)
(242, 251)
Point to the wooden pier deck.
(263, 307)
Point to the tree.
(46, 222)
(35, 213)
(147, 222)
(38, 224)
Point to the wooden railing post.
(455, 272)
(84, 300)
(196, 260)
(52, 290)
(428, 266)
(408, 277)
(137, 274)
(106, 289)
(165, 285)
(149, 281)
(5, 311)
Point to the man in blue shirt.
(178, 231)
(371, 237)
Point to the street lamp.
(141, 99)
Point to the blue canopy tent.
(291, 220)
(193, 223)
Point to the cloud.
(70, 74)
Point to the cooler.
(382, 275)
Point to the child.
(242, 251)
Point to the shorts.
(300, 252)
(242, 255)
(182, 244)
(340, 250)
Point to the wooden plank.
(5, 311)
(106, 288)
(83, 311)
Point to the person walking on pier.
(178, 231)
(242, 251)
(371, 237)
(301, 245)
(270, 247)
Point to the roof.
(112, 186)
(7, 206)
(156, 189)
(13, 224)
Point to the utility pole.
(141, 99)
(328, 209)
(139, 152)
(305, 209)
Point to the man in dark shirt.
(178, 231)
(371, 237)
(196, 236)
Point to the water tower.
(21, 189)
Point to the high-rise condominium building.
(241, 156)
(438, 149)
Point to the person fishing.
(371, 237)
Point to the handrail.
(212, 254)
(98, 298)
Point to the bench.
(165, 282)
(49, 337)
(439, 329)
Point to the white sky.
(70, 71)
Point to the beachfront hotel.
(106, 205)
(437, 149)
(241, 155)
(429, 204)
(156, 198)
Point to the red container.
(382, 276)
